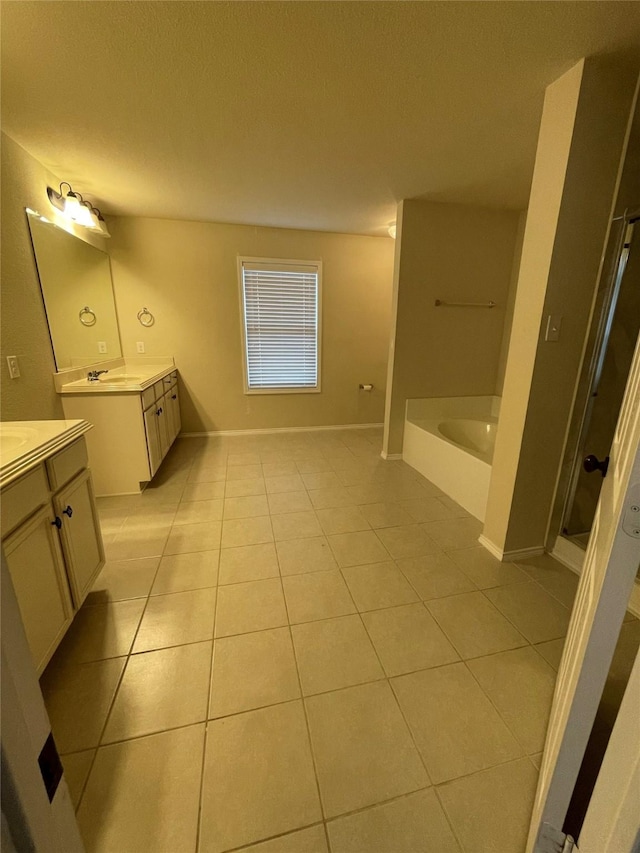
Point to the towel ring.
(146, 318)
(87, 316)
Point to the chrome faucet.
(94, 375)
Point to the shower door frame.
(625, 230)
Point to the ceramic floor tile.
(281, 502)
(251, 671)
(334, 653)
(310, 840)
(248, 563)
(455, 533)
(171, 620)
(246, 531)
(243, 459)
(535, 613)
(249, 506)
(407, 541)
(279, 469)
(244, 472)
(121, 580)
(213, 474)
(192, 512)
(148, 519)
(181, 572)
(326, 480)
(363, 750)
(557, 579)
(298, 556)
(185, 538)
(385, 515)
(317, 595)
(484, 569)
(76, 769)
(427, 509)
(244, 488)
(357, 549)
(551, 651)
(329, 498)
(78, 698)
(161, 690)
(407, 639)
(367, 494)
(252, 606)
(288, 483)
(203, 491)
(132, 545)
(470, 804)
(347, 519)
(258, 778)
(313, 465)
(520, 685)
(132, 804)
(473, 625)
(102, 631)
(470, 735)
(435, 576)
(378, 585)
(295, 525)
(406, 825)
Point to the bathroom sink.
(13, 438)
(120, 379)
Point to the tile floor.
(296, 647)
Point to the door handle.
(68, 511)
(591, 463)
(159, 412)
(57, 522)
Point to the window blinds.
(281, 325)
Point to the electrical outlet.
(14, 370)
(140, 346)
(102, 346)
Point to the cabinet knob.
(57, 522)
(68, 510)
(174, 396)
(159, 411)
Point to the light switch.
(14, 370)
(102, 346)
(554, 322)
(140, 346)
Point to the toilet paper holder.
(365, 387)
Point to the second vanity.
(135, 411)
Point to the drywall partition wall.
(455, 253)
(510, 305)
(24, 324)
(580, 146)
(186, 273)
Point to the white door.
(610, 567)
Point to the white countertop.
(129, 378)
(24, 444)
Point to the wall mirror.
(75, 279)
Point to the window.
(281, 321)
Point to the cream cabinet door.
(174, 399)
(37, 571)
(153, 438)
(80, 534)
(163, 424)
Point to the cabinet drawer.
(22, 498)
(66, 464)
(148, 397)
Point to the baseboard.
(509, 556)
(390, 457)
(274, 430)
(570, 555)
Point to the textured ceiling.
(315, 115)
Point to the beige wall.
(186, 274)
(457, 253)
(24, 329)
(510, 304)
(580, 146)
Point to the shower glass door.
(618, 330)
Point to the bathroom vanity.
(135, 410)
(50, 528)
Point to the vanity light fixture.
(392, 230)
(74, 207)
